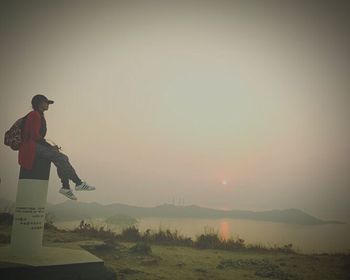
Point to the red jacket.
(30, 135)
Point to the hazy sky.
(223, 104)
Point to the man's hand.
(56, 148)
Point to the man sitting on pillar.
(35, 146)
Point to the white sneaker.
(68, 193)
(84, 187)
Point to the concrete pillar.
(26, 258)
(29, 215)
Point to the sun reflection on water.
(224, 230)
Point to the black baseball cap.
(37, 99)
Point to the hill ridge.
(72, 210)
(291, 215)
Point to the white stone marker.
(29, 216)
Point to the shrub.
(231, 244)
(6, 218)
(49, 218)
(52, 227)
(288, 249)
(166, 238)
(130, 234)
(93, 231)
(208, 241)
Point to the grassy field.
(174, 262)
(140, 260)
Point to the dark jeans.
(65, 170)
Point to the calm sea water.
(305, 238)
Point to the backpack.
(13, 137)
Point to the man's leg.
(64, 179)
(65, 170)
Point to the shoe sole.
(71, 198)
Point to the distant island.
(71, 210)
